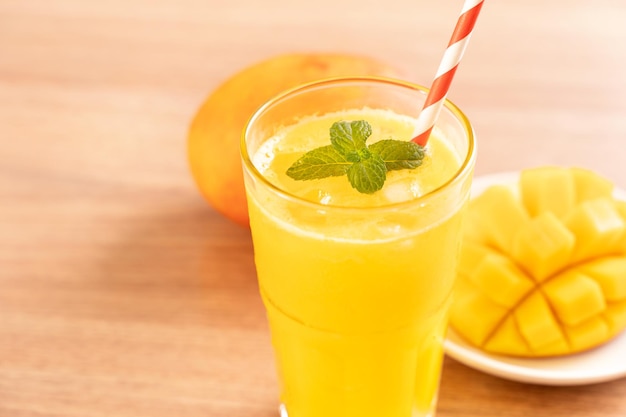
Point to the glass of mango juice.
(356, 286)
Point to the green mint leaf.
(319, 163)
(398, 154)
(369, 175)
(349, 137)
(365, 166)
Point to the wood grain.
(123, 294)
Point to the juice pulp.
(356, 302)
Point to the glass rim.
(373, 80)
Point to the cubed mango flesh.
(536, 322)
(586, 334)
(615, 316)
(501, 280)
(609, 273)
(574, 297)
(597, 226)
(472, 255)
(543, 269)
(621, 209)
(501, 216)
(590, 185)
(476, 316)
(547, 189)
(544, 247)
(508, 339)
(472, 228)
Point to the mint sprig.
(365, 166)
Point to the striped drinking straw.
(449, 63)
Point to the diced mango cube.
(558, 347)
(621, 209)
(507, 340)
(475, 317)
(536, 323)
(597, 226)
(574, 297)
(610, 274)
(543, 265)
(543, 247)
(590, 185)
(548, 189)
(472, 255)
(615, 316)
(472, 228)
(586, 334)
(500, 280)
(501, 215)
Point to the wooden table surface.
(123, 294)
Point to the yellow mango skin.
(543, 272)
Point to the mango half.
(543, 265)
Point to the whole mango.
(215, 133)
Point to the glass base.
(283, 412)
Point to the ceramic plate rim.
(577, 369)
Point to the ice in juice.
(357, 286)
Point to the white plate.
(603, 363)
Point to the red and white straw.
(449, 63)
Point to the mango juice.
(357, 286)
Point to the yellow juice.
(357, 286)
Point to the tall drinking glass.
(356, 286)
